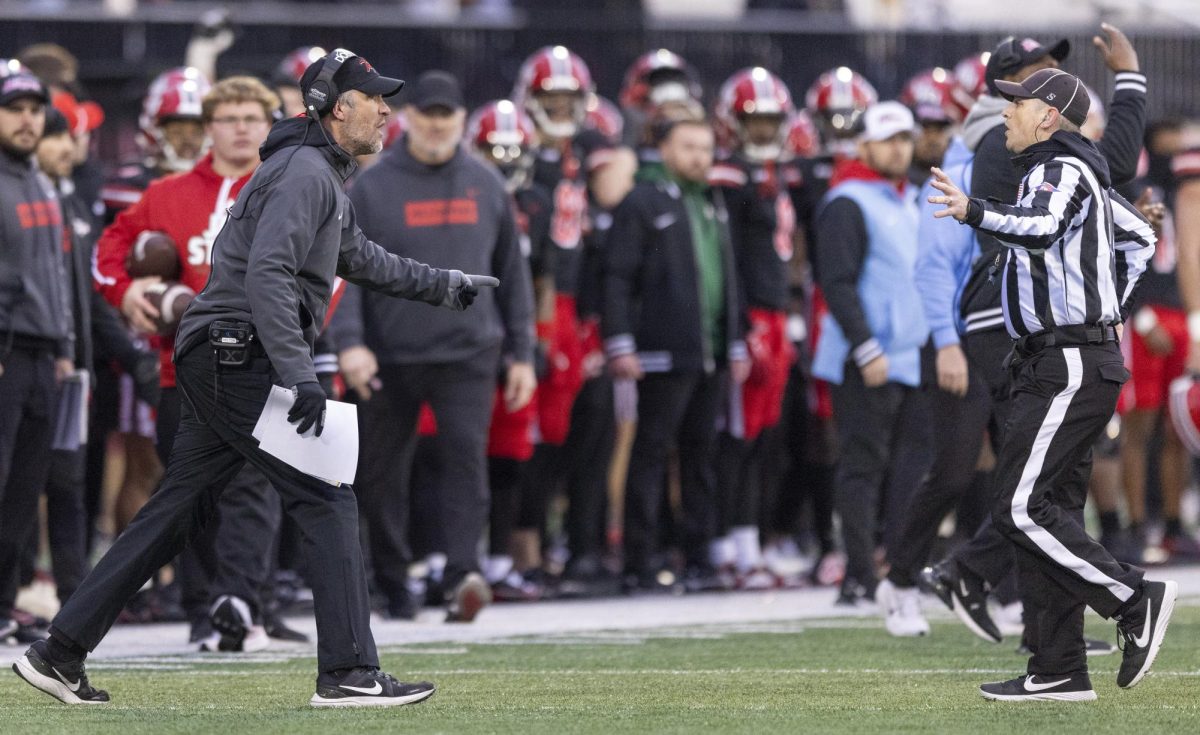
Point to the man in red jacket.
(191, 208)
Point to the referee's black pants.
(220, 409)
(1062, 398)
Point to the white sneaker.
(1009, 620)
(901, 607)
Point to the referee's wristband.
(1194, 325)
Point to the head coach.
(1076, 250)
(290, 231)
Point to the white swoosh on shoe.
(364, 690)
(1031, 686)
(74, 687)
(1144, 639)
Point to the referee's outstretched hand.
(954, 199)
(308, 408)
(464, 288)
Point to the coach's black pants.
(233, 555)
(674, 409)
(1062, 398)
(959, 425)
(27, 399)
(460, 395)
(220, 409)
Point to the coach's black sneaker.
(1038, 688)
(1140, 631)
(965, 594)
(470, 596)
(367, 687)
(66, 681)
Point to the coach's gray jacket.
(289, 232)
(35, 301)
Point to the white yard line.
(609, 621)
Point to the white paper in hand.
(331, 457)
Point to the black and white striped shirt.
(1076, 248)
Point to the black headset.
(323, 92)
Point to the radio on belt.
(230, 341)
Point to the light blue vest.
(889, 296)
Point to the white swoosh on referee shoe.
(1144, 639)
(1030, 686)
(72, 686)
(364, 690)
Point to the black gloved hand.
(309, 407)
(464, 288)
(145, 376)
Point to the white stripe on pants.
(1033, 469)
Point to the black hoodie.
(291, 230)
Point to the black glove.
(309, 407)
(145, 376)
(464, 288)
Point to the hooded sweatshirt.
(290, 231)
(459, 215)
(35, 296)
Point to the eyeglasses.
(249, 121)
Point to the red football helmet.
(755, 92)
(293, 65)
(605, 118)
(930, 95)
(1184, 408)
(554, 69)
(802, 137)
(502, 133)
(970, 77)
(838, 99)
(173, 95)
(656, 78)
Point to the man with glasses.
(228, 566)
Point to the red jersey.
(191, 208)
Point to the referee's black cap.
(1056, 88)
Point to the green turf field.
(792, 677)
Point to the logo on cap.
(1029, 44)
(340, 55)
(366, 65)
(22, 83)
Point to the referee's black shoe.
(1140, 631)
(965, 594)
(365, 686)
(64, 680)
(1038, 688)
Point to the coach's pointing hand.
(954, 199)
(464, 288)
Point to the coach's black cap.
(1013, 54)
(1056, 88)
(354, 73)
(436, 89)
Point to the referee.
(1075, 252)
(290, 231)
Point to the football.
(171, 298)
(153, 254)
